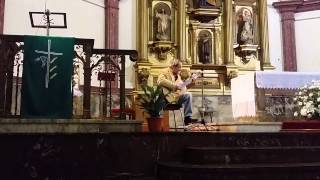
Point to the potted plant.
(153, 101)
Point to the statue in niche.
(163, 25)
(204, 48)
(245, 27)
(207, 3)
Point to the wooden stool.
(173, 108)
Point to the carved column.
(194, 45)
(2, 5)
(289, 41)
(263, 16)
(142, 29)
(217, 45)
(111, 24)
(182, 32)
(228, 32)
(287, 11)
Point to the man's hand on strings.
(195, 76)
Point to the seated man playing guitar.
(170, 80)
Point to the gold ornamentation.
(245, 51)
(230, 75)
(162, 48)
(143, 76)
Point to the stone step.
(236, 155)
(292, 171)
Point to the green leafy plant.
(153, 100)
(307, 101)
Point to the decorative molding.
(285, 6)
(311, 5)
(297, 6)
(287, 10)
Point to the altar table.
(248, 91)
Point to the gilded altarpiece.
(220, 38)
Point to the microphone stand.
(202, 109)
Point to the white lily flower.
(303, 112)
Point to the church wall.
(84, 20)
(127, 34)
(275, 38)
(306, 35)
(307, 26)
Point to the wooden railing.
(87, 60)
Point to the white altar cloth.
(242, 95)
(284, 80)
(243, 87)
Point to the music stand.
(48, 20)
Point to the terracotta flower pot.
(155, 124)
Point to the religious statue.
(204, 49)
(163, 25)
(246, 28)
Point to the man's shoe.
(189, 120)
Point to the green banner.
(46, 79)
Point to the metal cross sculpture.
(47, 61)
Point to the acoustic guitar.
(173, 97)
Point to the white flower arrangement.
(307, 101)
